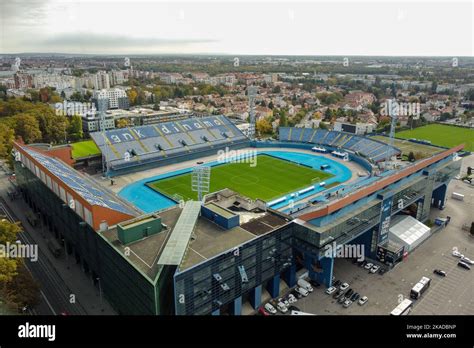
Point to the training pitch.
(442, 135)
(84, 149)
(271, 178)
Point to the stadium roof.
(87, 189)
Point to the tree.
(323, 125)
(469, 171)
(264, 126)
(27, 127)
(132, 96)
(411, 157)
(8, 234)
(6, 137)
(472, 228)
(53, 127)
(121, 123)
(283, 119)
(75, 128)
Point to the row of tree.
(17, 287)
(35, 122)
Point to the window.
(88, 216)
(48, 182)
(78, 209)
(55, 187)
(62, 194)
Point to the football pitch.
(442, 135)
(84, 149)
(269, 179)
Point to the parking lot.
(452, 294)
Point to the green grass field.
(407, 147)
(84, 149)
(269, 179)
(442, 135)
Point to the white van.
(305, 285)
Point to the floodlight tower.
(252, 93)
(201, 180)
(393, 114)
(102, 104)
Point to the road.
(55, 293)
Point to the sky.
(402, 28)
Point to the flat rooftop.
(144, 253)
(211, 239)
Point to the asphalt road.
(55, 294)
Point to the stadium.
(192, 217)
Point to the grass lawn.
(442, 135)
(407, 147)
(84, 149)
(270, 178)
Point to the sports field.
(84, 149)
(442, 135)
(420, 150)
(269, 179)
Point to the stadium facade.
(228, 253)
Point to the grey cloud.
(115, 41)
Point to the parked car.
(347, 303)
(382, 270)
(440, 272)
(270, 309)
(349, 293)
(314, 283)
(281, 307)
(338, 294)
(297, 294)
(363, 300)
(305, 285)
(457, 254)
(337, 283)
(294, 308)
(344, 286)
(467, 260)
(464, 265)
(302, 291)
(355, 296)
(262, 311)
(284, 301)
(291, 298)
(341, 299)
(331, 290)
(368, 265)
(374, 269)
(363, 263)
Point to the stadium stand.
(372, 149)
(135, 146)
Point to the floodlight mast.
(252, 93)
(102, 106)
(201, 180)
(393, 123)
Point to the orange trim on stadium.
(338, 204)
(99, 213)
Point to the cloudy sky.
(244, 27)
